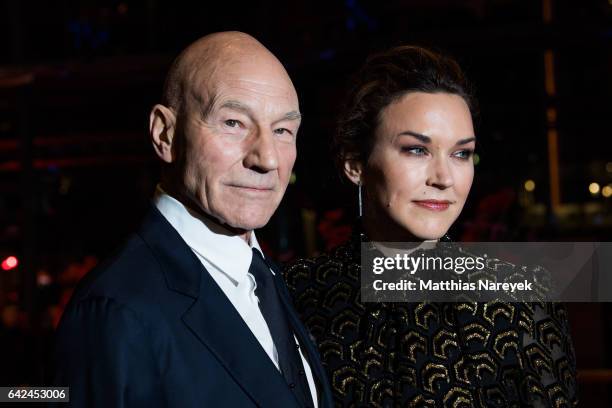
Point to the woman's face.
(420, 170)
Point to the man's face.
(239, 126)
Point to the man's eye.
(282, 131)
(232, 123)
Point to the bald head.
(227, 129)
(200, 64)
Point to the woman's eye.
(416, 150)
(464, 154)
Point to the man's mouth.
(253, 188)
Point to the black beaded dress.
(494, 354)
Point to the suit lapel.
(325, 394)
(212, 318)
(217, 324)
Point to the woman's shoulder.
(327, 284)
(339, 264)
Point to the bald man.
(190, 313)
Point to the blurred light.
(122, 8)
(607, 190)
(476, 159)
(547, 11)
(551, 115)
(43, 278)
(293, 178)
(609, 164)
(553, 168)
(594, 188)
(549, 73)
(530, 185)
(10, 263)
(65, 183)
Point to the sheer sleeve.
(549, 355)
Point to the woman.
(406, 140)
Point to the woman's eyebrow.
(465, 141)
(427, 139)
(422, 138)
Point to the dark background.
(77, 80)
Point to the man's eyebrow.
(427, 139)
(241, 107)
(293, 115)
(237, 106)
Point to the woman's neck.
(378, 227)
(393, 241)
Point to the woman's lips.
(433, 205)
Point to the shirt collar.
(230, 254)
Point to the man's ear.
(162, 124)
(353, 169)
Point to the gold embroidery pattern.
(494, 354)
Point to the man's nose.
(439, 173)
(262, 155)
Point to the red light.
(10, 263)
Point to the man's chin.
(247, 223)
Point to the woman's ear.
(353, 170)
(162, 124)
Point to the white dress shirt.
(227, 259)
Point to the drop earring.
(360, 200)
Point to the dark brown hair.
(384, 78)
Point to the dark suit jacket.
(151, 328)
